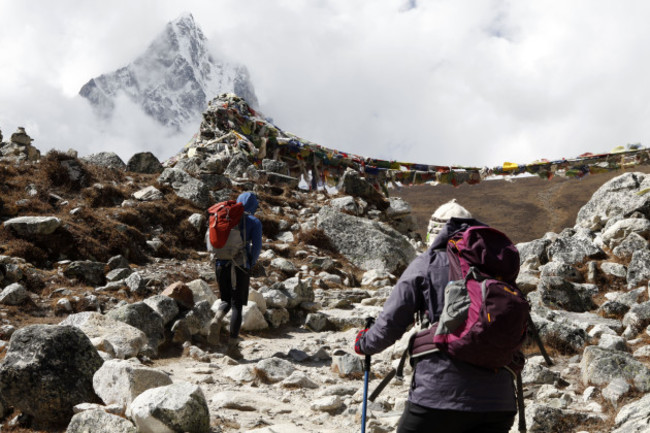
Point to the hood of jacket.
(453, 225)
(249, 200)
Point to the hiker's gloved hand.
(357, 342)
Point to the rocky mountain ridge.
(173, 79)
(105, 260)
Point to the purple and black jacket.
(439, 382)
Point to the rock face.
(48, 370)
(180, 407)
(367, 244)
(99, 421)
(173, 79)
(120, 382)
(617, 199)
(33, 225)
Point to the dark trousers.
(419, 419)
(233, 296)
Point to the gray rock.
(600, 366)
(215, 181)
(618, 196)
(574, 247)
(190, 165)
(284, 265)
(533, 254)
(527, 281)
(239, 166)
(120, 382)
(542, 418)
(150, 193)
(48, 369)
(330, 403)
(143, 317)
(346, 364)
(144, 162)
(298, 379)
(275, 166)
(193, 322)
(367, 244)
(297, 291)
(273, 370)
(105, 159)
(353, 184)
(612, 342)
(180, 407)
(616, 389)
(316, 321)
(87, 271)
(33, 225)
(613, 269)
(567, 338)
(277, 317)
(99, 421)
(638, 317)
(558, 293)
(536, 373)
(118, 274)
(116, 338)
(620, 230)
(198, 222)
(346, 204)
(253, 319)
(274, 298)
(186, 186)
(14, 294)
(633, 417)
(638, 270)
(118, 261)
(561, 269)
(202, 291)
(136, 283)
(165, 306)
(632, 243)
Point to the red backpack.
(225, 217)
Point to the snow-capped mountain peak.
(173, 79)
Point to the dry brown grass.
(100, 228)
(317, 238)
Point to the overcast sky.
(436, 82)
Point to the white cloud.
(467, 82)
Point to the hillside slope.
(525, 208)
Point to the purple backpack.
(485, 315)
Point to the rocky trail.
(107, 292)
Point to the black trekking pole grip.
(369, 322)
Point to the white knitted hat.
(442, 215)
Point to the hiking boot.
(215, 328)
(233, 349)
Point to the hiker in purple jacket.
(446, 395)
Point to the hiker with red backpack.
(448, 394)
(236, 247)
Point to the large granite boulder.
(48, 370)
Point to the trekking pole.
(366, 374)
(538, 340)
